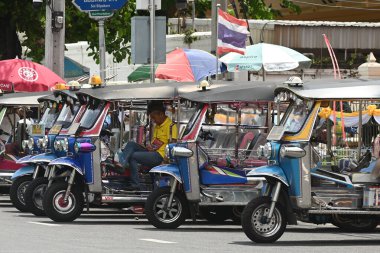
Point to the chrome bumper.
(5, 178)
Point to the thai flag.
(232, 33)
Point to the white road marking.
(45, 224)
(156, 241)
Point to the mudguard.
(68, 161)
(27, 170)
(24, 159)
(43, 158)
(168, 169)
(271, 171)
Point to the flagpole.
(216, 41)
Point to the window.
(67, 116)
(91, 114)
(295, 117)
(49, 117)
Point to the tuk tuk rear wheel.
(253, 224)
(59, 210)
(162, 218)
(34, 195)
(17, 192)
(354, 225)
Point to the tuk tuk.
(208, 166)
(319, 169)
(34, 176)
(112, 115)
(15, 132)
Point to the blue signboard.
(99, 5)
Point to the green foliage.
(201, 8)
(258, 9)
(20, 16)
(189, 38)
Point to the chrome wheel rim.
(170, 215)
(60, 205)
(21, 191)
(38, 196)
(266, 229)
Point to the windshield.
(294, 120)
(49, 117)
(67, 116)
(91, 115)
(192, 120)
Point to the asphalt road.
(105, 230)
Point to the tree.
(19, 16)
(258, 9)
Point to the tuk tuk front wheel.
(34, 195)
(161, 216)
(55, 206)
(356, 224)
(254, 222)
(17, 192)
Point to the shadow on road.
(319, 243)
(323, 230)
(100, 222)
(195, 229)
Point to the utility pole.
(102, 51)
(55, 36)
(214, 35)
(152, 40)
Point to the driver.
(164, 131)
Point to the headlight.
(167, 150)
(84, 147)
(57, 146)
(45, 142)
(24, 144)
(267, 151)
(39, 142)
(30, 143)
(65, 144)
(292, 151)
(260, 151)
(181, 152)
(76, 147)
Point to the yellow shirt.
(162, 133)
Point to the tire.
(253, 226)
(236, 214)
(216, 214)
(34, 196)
(54, 206)
(354, 224)
(17, 192)
(154, 204)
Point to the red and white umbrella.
(26, 76)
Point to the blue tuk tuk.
(319, 168)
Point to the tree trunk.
(10, 46)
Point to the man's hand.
(149, 148)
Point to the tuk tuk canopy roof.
(51, 98)
(336, 89)
(217, 92)
(67, 93)
(234, 92)
(22, 98)
(131, 92)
